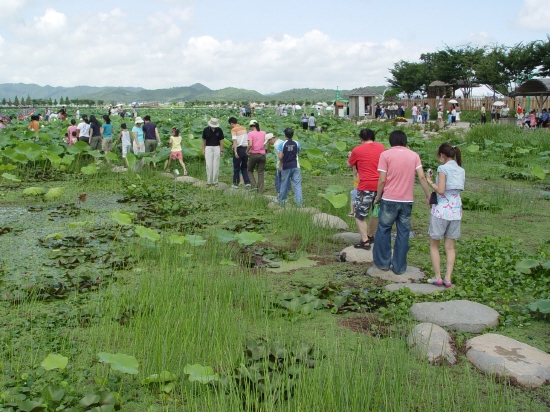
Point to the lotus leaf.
(162, 377)
(249, 238)
(179, 240)
(195, 240)
(8, 167)
(53, 393)
(341, 146)
(131, 159)
(225, 236)
(338, 201)
(79, 224)
(111, 156)
(305, 164)
(9, 176)
(57, 149)
(120, 362)
(538, 172)
(54, 361)
(199, 373)
(122, 218)
(31, 406)
(525, 266)
(67, 159)
(90, 169)
(33, 191)
(147, 233)
(53, 193)
(314, 153)
(473, 148)
(542, 305)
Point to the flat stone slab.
(329, 221)
(509, 358)
(271, 198)
(119, 169)
(310, 210)
(168, 175)
(432, 342)
(420, 288)
(353, 255)
(273, 205)
(187, 179)
(219, 186)
(346, 237)
(411, 274)
(459, 315)
(231, 191)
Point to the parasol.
(453, 101)
(5, 118)
(499, 103)
(25, 113)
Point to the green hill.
(196, 91)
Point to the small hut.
(359, 99)
(537, 88)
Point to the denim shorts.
(440, 228)
(363, 203)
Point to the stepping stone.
(420, 288)
(509, 358)
(273, 205)
(119, 169)
(410, 275)
(247, 194)
(294, 209)
(328, 221)
(168, 175)
(271, 198)
(459, 315)
(187, 179)
(346, 237)
(353, 255)
(430, 341)
(219, 186)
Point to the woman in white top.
(447, 213)
(84, 130)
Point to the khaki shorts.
(107, 144)
(95, 143)
(439, 228)
(150, 145)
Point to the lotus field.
(139, 290)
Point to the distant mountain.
(196, 91)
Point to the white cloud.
(105, 49)
(51, 21)
(535, 15)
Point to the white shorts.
(126, 149)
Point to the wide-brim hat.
(253, 123)
(138, 120)
(213, 122)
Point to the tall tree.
(490, 70)
(62, 101)
(409, 77)
(16, 101)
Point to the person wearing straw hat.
(212, 149)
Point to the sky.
(268, 46)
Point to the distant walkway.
(459, 125)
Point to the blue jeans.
(390, 213)
(240, 166)
(294, 176)
(278, 181)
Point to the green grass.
(178, 305)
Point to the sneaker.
(436, 282)
(235, 186)
(247, 186)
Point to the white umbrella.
(499, 103)
(319, 104)
(453, 101)
(325, 104)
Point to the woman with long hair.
(107, 135)
(95, 134)
(447, 213)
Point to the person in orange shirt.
(33, 125)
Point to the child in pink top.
(256, 151)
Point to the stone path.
(411, 274)
(349, 238)
(353, 255)
(328, 221)
(509, 358)
(420, 288)
(459, 315)
(430, 341)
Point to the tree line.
(467, 66)
(28, 102)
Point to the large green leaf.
(177, 239)
(54, 361)
(473, 148)
(33, 191)
(53, 393)
(525, 266)
(249, 238)
(542, 305)
(341, 146)
(57, 149)
(121, 217)
(337, 200)
(147, 233)
(538, 172)
(90, 169)
(131, 159)
(10, 177)
(120, 362)
(314, 153)
(111, 156)
(54, 193)
(305, 164)
(336, 189)
(162, 377)
(67, 159)
(225, 236)
(195, 240)
(199, 373)
(30, 406)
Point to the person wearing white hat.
(137, 133)
(212, 149)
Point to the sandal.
(436, 282)
(448, 284)
(185, 172)
(350, 214)
(362, 245)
